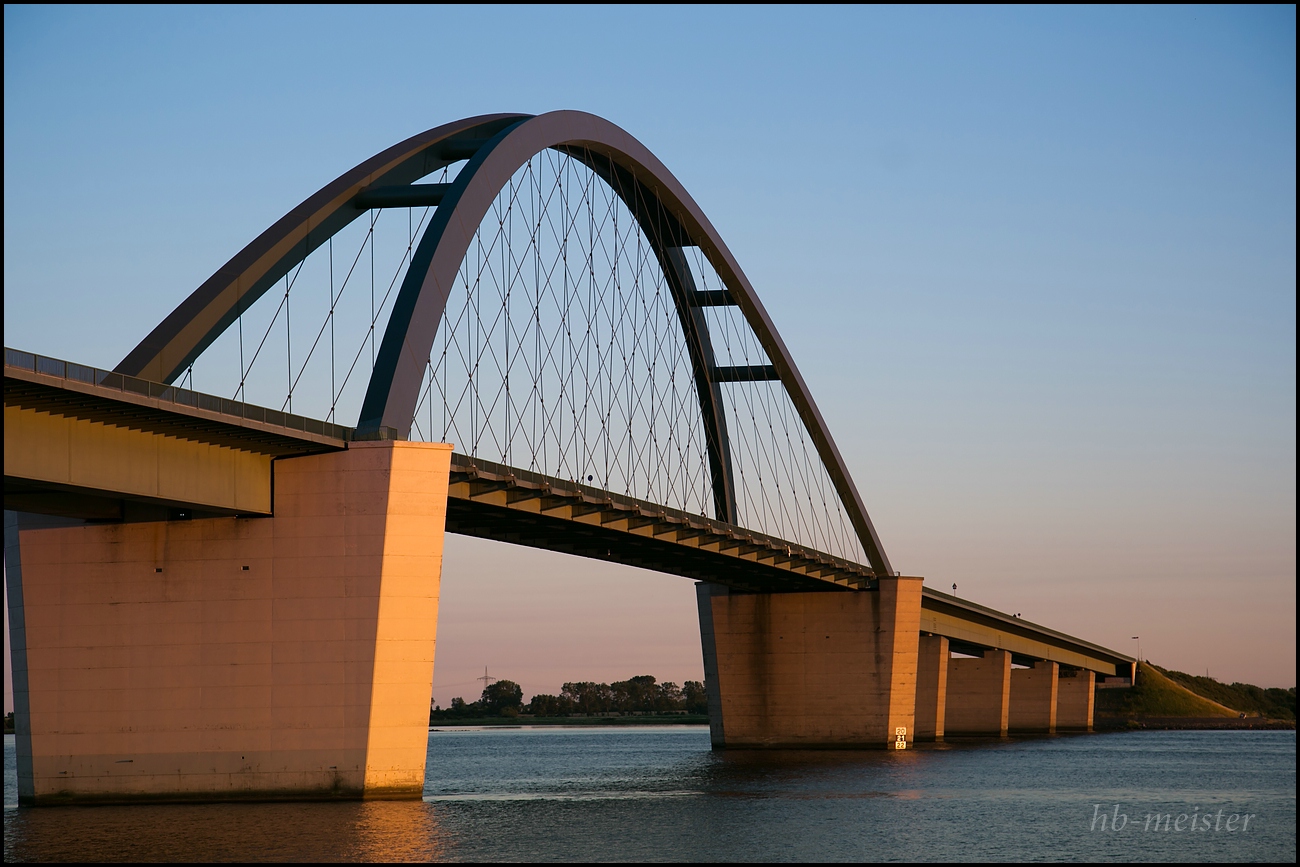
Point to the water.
(660, 794)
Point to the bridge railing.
(74, 372)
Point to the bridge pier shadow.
(1076, 696)
(985, 696)
(931, 687)
(230, 658)
(1034, 695)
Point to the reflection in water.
(662, 794)
(393, 831)
(370, 831)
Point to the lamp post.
(1138, 639)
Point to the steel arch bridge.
(563, 299)
(560, 308)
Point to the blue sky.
(1037, 265)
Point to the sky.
(1037, 267)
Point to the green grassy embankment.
(1156, 695)
(1245, 697)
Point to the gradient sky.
(1036, 265)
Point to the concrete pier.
(931, 687)
(224, 658)
(979, 695)
(1033, 698)
(1075, 697)
(812, 669)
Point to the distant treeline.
(639, 695)
(1272, 703)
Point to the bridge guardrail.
(56, 367)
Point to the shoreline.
(1102, 725)
(1157, 723)
(571, 722)
(461, 729)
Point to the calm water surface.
(660, 794)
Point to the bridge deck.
(512, 505)
(492, 501)
(51, 385)
(973, 627)
(87, 443)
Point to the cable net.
(561, 351)
(782, 487)
(309, 344)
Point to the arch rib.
(675, 221)
(201, 318)
(499, 145)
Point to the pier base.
(229, 658)
(931, 687)
(832, 669)
(1033, 698)
(1075, 698)
(979, 693)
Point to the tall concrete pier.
(289, 656)
(812, 669)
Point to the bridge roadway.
(87, 443)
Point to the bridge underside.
(510, 505)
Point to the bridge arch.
(496, 146)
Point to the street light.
(1138, 639)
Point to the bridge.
(212, 597)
